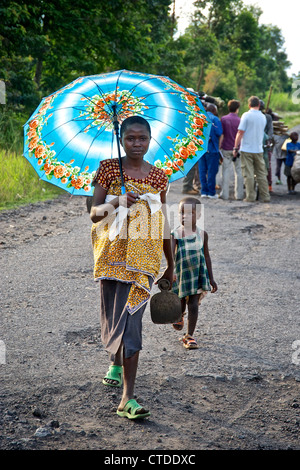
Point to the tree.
(45, 45)
(229, 53)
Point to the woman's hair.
(134, 120)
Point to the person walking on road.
(193, 269)
(249, 140)
(209, 162)
(230, 124)
(291, 150)
(127, 256)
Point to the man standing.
(249, 138)
(209, 162)
(230, 124)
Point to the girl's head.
(294, 137)
(135, 137)
(189, 211)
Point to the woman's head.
(135, 137)
(134, 120)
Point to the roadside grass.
(291, 119)
(20, 183)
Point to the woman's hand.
(168, 274)
(128, 199)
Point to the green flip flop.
(131, 411)
(114, 376)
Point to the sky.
(279, 13)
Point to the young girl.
(193, 269)
(126, 265)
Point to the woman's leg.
(130, 365)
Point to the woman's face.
(135, 141)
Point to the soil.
(238, 391)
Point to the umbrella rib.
(165, 124)
(166, 152)
(101, 91)
(74, 136)
(63, 124)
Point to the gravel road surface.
(238, 391)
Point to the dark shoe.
(193, 192)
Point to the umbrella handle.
(116, 127)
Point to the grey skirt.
(117, 325)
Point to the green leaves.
(46, 45)
(229, 54)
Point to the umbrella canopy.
(76, 127)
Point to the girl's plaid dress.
(190, 266)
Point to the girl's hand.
(214, 287)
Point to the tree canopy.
(224, 51)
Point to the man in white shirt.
(249, 140)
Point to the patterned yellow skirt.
(135, 253)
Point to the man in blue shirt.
(250, 138)
(209, 162)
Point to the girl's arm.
(208, 264)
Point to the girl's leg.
(193, 305)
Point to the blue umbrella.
(76, 127)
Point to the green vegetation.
(224, 52)
(20, 183)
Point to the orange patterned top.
(109, 171)
(136, 253)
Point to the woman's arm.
(100, 209)
(167, 246)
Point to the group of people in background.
(246, 143)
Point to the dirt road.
(239, 390)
